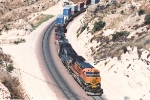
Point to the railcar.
(84, 73)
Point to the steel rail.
(97, 98)
(63, 86)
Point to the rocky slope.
(123, 38)
(4, 93)
(18, 17)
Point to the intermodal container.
(95, 1)
(87, 2)
(66, 18)
(60, 19)
(80, 5)
(67, 11)
(74, 7)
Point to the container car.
(80, 6)
(60, 20)
(67, 11)
(74, 9)
(86, 3)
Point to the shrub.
(16, 42)
(83, 27)
(9, 68)
(119, 54)
(141, 12)
(14, 86)
(22, 40)
(98, 25)
(147, 18)
(78, 35)
(122, 12)
(119, 34)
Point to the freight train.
(84, 73)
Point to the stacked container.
(95, 1)
(80, 6)
(67, 13)
(60, 19)
(86, 3)
(74, 9)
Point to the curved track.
(69, 94)
(97, 98)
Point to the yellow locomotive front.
(93, 81)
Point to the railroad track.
(97, 98)
(63, 86)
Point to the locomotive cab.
(93, 81)
(89, 77)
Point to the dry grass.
(40, 19)
(17, 9)
(113, 22)
(118, 48)
(13, 85)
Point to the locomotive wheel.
(68, 70)
(59, 55)
(84, 88)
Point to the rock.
(4, 93)
(126, 73)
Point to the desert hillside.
(18, 19)
(115, 37)
(21, 17)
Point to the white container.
(66, 18)
(74, 7)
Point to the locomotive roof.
(63, 43)
(83, 64)
(70, 50)
(74, 58)
(63, 40)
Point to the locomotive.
(83, 72)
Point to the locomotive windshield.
(92, 74)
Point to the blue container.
(60, 19)
(67, 11)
